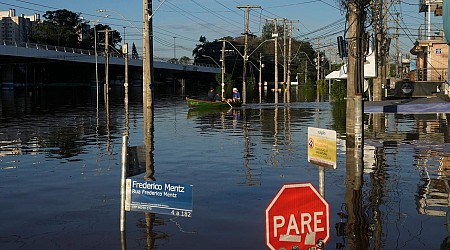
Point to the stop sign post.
(297, 218)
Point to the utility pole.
(174, 48)
(275, 36)
(318, 69)
(354, 74)
(147, 78)
(106, 63)
(284, 53)
(125, 55)
(244, 71)
(223, 70)
(260, 68)
(386, 64)
(380, 49)
(396, 46)
(289, 57)
(147, 54)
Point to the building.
(430, 48)
(432, 58)
(16, 28)
(431, 51)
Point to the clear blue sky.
(187, 20)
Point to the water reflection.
(422, 140)
(236, 159)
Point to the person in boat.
(212, 95)
(236, 95)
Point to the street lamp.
(308, 59)
(95, 22)
(244, 57)
(222, 70)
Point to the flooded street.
(60, 170)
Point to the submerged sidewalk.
(436, 104)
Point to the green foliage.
(228, 91)
(134, 52)
(322, 86)
(303, 55)
(205, 50)
(338, 111)
(307, 92)
(184, 60)
(338, 90)
(227, 79)
(62, 28)
(173, 60)
(250, 88)
(269, 29)
(59, 28)
(114, 37)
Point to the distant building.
(16, 28)
(432, 59)
(431, 48)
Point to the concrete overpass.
(27, 63)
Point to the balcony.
(435, 34)
(435, 6)
(436, 74)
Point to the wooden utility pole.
(147, 79)
(318, 69)
(260, 68)
(397, 51)
(284, 53)
(289, 57)
(106, 63)
(275, 36)
(223, 71)
(380, 49)
(147, 76)
(125, 54)
(352, 71)
(354, 126)
(386, 46)
(244, 71)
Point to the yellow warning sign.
(322, 147)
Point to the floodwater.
(60, 170)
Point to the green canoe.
(203, 104)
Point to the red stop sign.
(297, 218)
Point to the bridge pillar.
(7, 76)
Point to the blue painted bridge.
(29, 63)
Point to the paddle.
(228, 103)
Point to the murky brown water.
(60, 173)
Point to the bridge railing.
(88, 52)
(48, 47)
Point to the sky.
(178, 24)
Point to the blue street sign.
(159, 197)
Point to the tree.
(114, 37)
(268, 30)
(205, 49)
(134, 52)
(60, 28)
(173, 60)
(200, 48)
(184, 60)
